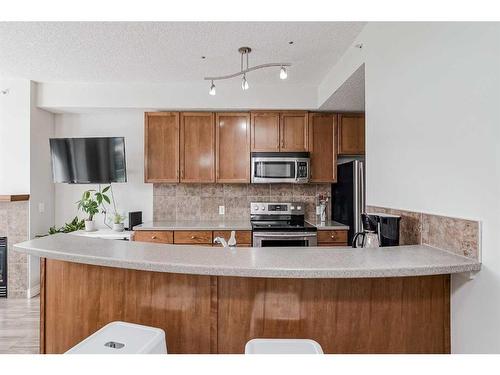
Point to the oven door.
(284, 239)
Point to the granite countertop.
(222, 225)
(329, 225)
(284, 262)
(196, 225)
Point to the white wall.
(134, 195)
(41, 185)
(433, 133)
(14, 137)
(79, 97)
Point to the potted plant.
(90, 203)
(118, 225)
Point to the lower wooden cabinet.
(156, 236)
(188, 237)
(193, 237)
(332, 238)
(243, 237)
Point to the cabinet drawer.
(332, 236)
(157, 236)
(193, 237)
(242, 236)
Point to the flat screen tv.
(99, 160)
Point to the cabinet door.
(293, 131)
(232, 147)
(265, 132)
(197, 147)
(161, 147)
(322, 147)
(351, 134)
(155, 236)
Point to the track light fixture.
(212, 89)
(244, 52)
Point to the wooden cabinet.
(243, 237)
(197, 147)
(279, 131)
(323, 147)
(161, 147)
(232, 147)
(265, 131)
(156, 236)
(193, 237)
(351, 134)
(332, 238)
(293, 131)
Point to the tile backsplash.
(202, 201)
(461, 236)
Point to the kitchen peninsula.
(213, 300)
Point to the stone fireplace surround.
(14, 224)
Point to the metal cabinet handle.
(153, 237)
(193, 237)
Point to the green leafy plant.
(72, 226)
(117, 218)
(92, 200)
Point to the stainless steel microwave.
(276, 167)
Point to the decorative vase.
(118, 227)
(89, 226)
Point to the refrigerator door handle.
(362, 187)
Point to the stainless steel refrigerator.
(348, 196)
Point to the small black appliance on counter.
(134, 218)
(387, 227)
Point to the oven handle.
(286, 236)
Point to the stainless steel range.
(280, 224)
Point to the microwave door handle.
(296, 170)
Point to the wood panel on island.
(219, 314)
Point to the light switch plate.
(41, 207)
(221, 210)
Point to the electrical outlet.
(221, 210)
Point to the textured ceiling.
(350, 97)
(162, 52)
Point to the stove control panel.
(276, 208)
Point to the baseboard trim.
(33, 292)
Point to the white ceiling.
(350, 97)
(162, 52)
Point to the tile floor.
(19, 325)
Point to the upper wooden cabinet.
(293, 131)
(323, 147)
(279, 131)
(265, 131)
(232, 147)
(161, 147)
(197, 147)
(351, 134)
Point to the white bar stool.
(123, 338)
(282, 346)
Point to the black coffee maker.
(387, 227)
